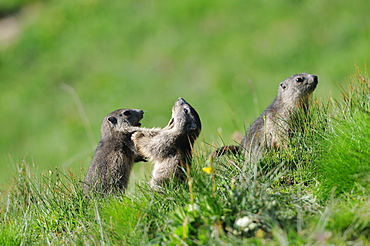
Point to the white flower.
(243, 222)
(252, 226)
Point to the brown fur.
(115, 155)
(170, 148)
(271, 129)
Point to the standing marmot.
(272, 127)
(170, 148)
(115, 154)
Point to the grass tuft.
(344, 162)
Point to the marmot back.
(170, 148)
(115, 154)
(272, 127)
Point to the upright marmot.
(170, 148)
(272, 127)
(115, 155)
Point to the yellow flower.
(260, 233)
(208, 170)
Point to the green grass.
(296, 196)
(74, 62)
(345, 160)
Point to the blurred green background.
(64, 65)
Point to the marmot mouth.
(312, 87)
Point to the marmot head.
(120, 119)
(297, 87)
(185, 118)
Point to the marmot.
(115, 155)
(272, 127)
(170, 148)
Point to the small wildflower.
(243, 222)
(260, 233)
(252, 226)
(208, 170)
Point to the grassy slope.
(284, 200)
(145, 55)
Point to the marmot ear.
(283, 85)
(113, 120)
(127, 112)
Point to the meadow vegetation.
(73, 62)
(315, 192)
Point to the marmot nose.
(315, 79)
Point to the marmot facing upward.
(170, 148)
(272, 127)
(115, 155)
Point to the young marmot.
(271, 129)
(170, 148)
(115, 155)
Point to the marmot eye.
(127, 113)
(299, 79)
(113, 120)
